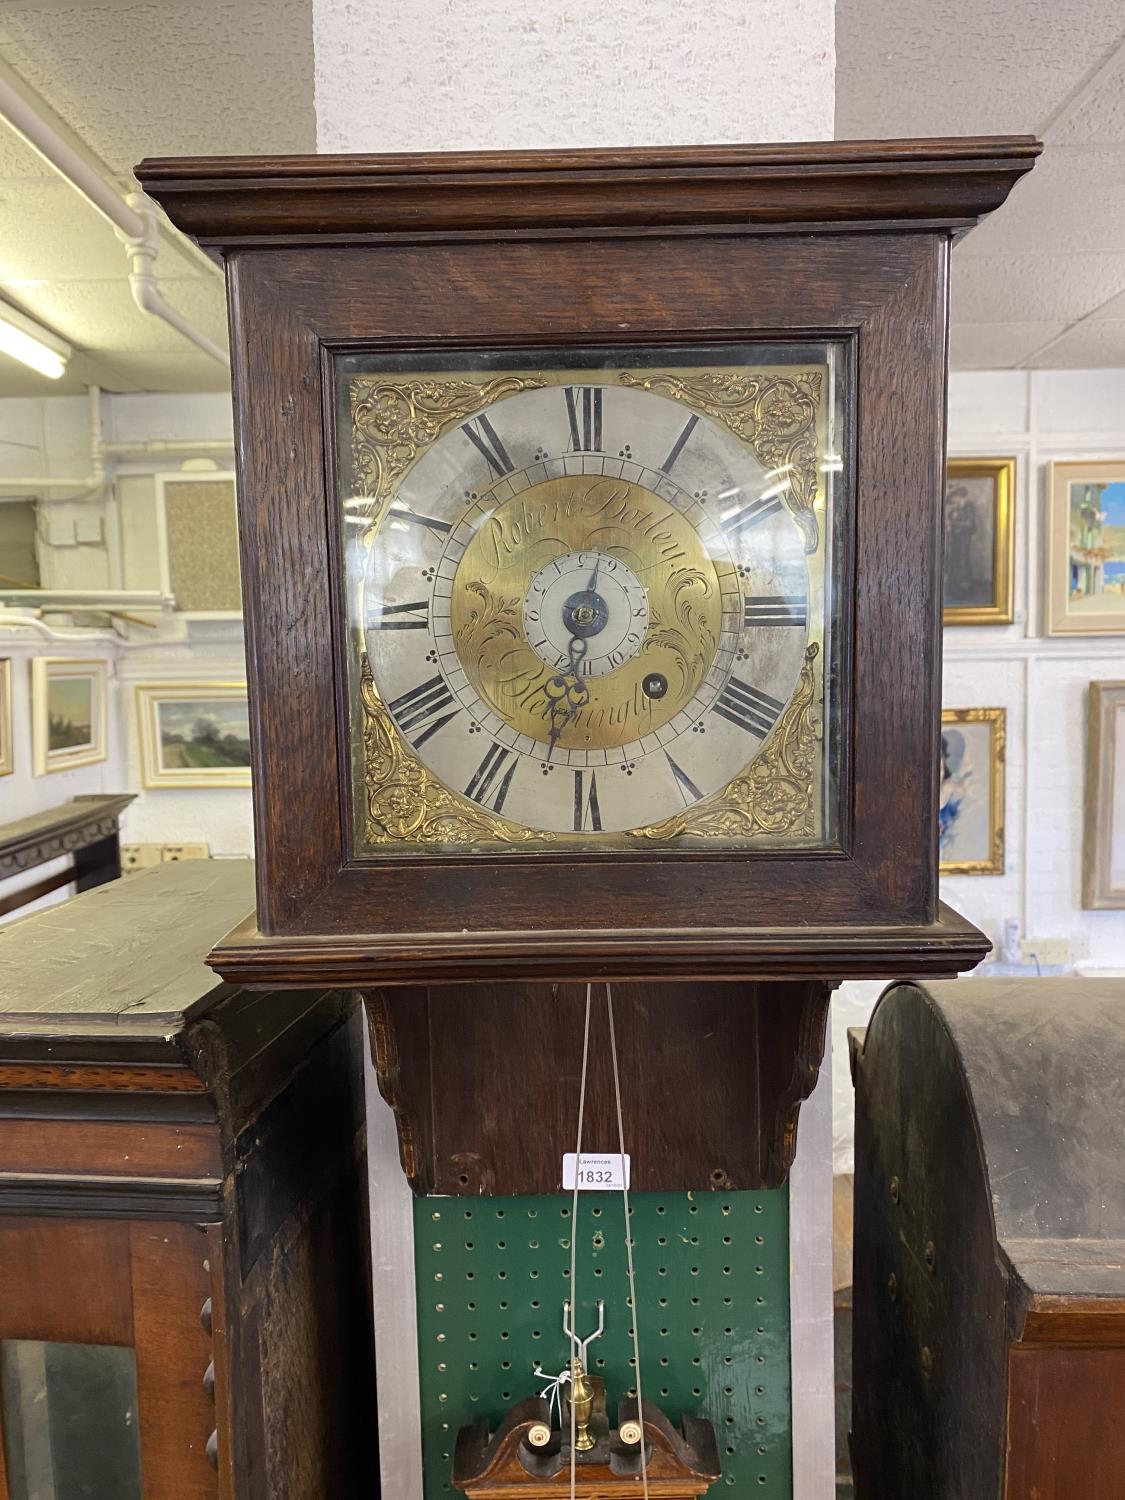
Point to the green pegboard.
(713, 1287)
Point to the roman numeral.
(687, 788)
(754, 711)
(481, 433)
(584, 408)
(402, 514)
(417, 616)
(678, 445)
(424, 708)
(751, 515)
(587, 814)
(775, 609)
(485, 777)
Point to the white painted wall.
(509, 74)
(1041, 681)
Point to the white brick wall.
(1041, 681)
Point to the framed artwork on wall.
(7, 752)
(1103, 850)
(971, 798)
(68, 713)
(194, 734)
(1086, 548)
(979, 541)
(198, 540)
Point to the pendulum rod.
(574, 1238)
(634, 1310)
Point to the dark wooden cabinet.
(183, 1234)
(989, 1286)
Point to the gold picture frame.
(193, 734)
(962, 476)
(1103, 889)
(7, 749)
(1085, 562)
(972, 845)
(68, 713)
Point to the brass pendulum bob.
(582, 1404)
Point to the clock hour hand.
(567, 693)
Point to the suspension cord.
(634, 1310)
(574, 1239)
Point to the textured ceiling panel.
(1098, 117)
(1049, 213)
(1046, 262)
(1012, 288)
(1094, 345)
(997, 346)
(169, 77)
(955, 67)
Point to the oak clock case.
(590, 521)
(591, 597)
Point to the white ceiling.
(123, 79)
(1042, 282)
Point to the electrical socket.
(139, 856)
(170, 853)
(1052, 953)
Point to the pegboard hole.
(726, 1209)
(759, 1239)
(505, 1364)
(757, 1208)
(471, 1306)
(726, 1239)
(435, 1216)
(501, 1244)
(504, 1334)
(730, 1421)
(499, 1213)
(696, 1390)
(660, 1209)
(596, 1212)
(501, 1276)
(463, 1179)
(533, 1213)
(693, 1208)
(729, 1450)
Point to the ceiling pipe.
(133, 219)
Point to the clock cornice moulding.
(835, 186)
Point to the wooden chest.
(989, 1340)
(183, 1237)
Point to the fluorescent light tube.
(29, 342)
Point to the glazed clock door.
(592, 602)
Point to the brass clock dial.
(584, 606)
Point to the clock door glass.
(592, 597)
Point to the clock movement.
(590, 524)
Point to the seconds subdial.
(588, 597)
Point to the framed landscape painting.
(971, 799)
(1103, 852)
(979, 541)
(1086, 548)
(68, 713)
(194, 734)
